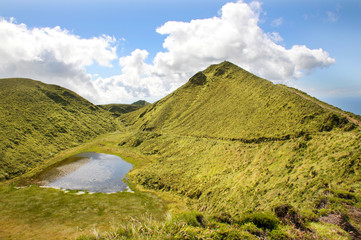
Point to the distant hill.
(38, 120)
(118, 109)
(141, 103)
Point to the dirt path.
(351, 119)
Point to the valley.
(226, 156)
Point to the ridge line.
(351, 119)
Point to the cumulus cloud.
(191, 46)
(237, 37)
(234, 35)
(52, 55)
(332, 17)
(277, 22)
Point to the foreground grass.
(60, 213)
(32, 212)
(195, 225)
(234, 177)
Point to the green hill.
(141, 103)
(227, 102)
(236, 155)
(119, 109)
(233, 144)
(38, 120)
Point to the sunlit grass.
(57, 210)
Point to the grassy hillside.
(234, 145)
(227, 102)
(232, 155)
(38, 120)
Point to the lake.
(93, 172)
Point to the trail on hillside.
(351, 119)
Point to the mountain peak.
(221, 69)
(225, 101)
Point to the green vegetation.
(233, 156)
(232, 143)
(29, 211)
(38, 120)
(119, 109)
(43, 212)
(141, 103)
(227, 102)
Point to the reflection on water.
(94, 172)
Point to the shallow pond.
(93, 172)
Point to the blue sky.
(134, 60)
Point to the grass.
(57, 211)
(219, 175)
(38, 120)
(54, 214)
(231, 103)
(231, 155)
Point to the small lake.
(93, 172)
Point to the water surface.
(94, 172)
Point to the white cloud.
(332, 17)
(277, 22)
(52, 55)
(233, 35)
(275, 37)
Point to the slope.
(38, 120)
(232, 144)
(227, 102)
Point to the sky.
(120, 51)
